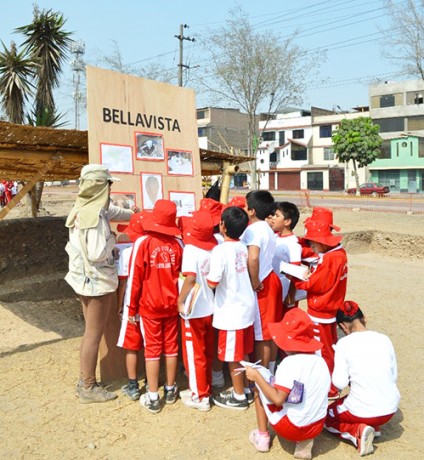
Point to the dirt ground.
(40, 417)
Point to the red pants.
(198, 351)
(327, 335)
(346, 425)
(287, 430)
(270, 303)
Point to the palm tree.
(47, 44)
(16, 72)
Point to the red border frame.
(153, 135)
(142, 188)
(183, 193)
(179, 150)
(118, 145)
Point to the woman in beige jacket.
(92, 271)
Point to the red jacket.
(326, 286)
(154, 269)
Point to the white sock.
(271, 366)
(167, 387)
(239, 397)
(153, 395)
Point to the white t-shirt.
(196, 262)
(261, 235)
(367, 361)
(234, 305)
(312, 371)
(123, 262)
(287, 250)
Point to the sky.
(350, 31)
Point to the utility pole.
(181, 65)
(77, 65)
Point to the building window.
(415, 123)
(298, 133)
(325, 131)
(388, 125)
(268, 136)
(201, 132)
(385, 152)
(388, 100)
(281, 138)
(328, 154)
(414, 97)
(201, 114)
(298, 153)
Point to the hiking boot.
(152, 405)
(95, 394)
(132, 391)
(228, 401)
(260, 441)
(304, 449)
(171, 395)
(365, 439)
(218, 380)
(200, 404)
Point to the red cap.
(323, 215)
(162, 218)
(199, 231)
(320, 232)
(295, 332)
(213, 207)
(135, 228)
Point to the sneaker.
(132, 391)
(186, 394)
(152, 405)
(200, 404)
(250, 397)
(365, 439)
(171, 395)
(95, 394)
(218, 380)
(228, 401)
(260, 441)
(303, 449)
(78, 387)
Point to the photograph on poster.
(117, 158)
(185, 201)
(179, 162)
(124, 200)
(151, 189)
(149, 146)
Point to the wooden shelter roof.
(61, 153)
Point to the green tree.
(255, 70)
(357, 140)
(47, 44)
(16, 73)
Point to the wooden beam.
(27, 187)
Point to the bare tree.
(254, 71)
(152, 71)
(404, 41)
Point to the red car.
(369, 188)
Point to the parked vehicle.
(369, 188)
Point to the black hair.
(289, 211)
(344, 317)
(235, 220)
(262, 202)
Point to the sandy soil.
(42, 419)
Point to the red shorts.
(130, 337)
(287, 430)
(160, 336)
(270, 305)
(233, 346)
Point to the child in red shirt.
(326, 286)
(155, 267)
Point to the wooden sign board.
(145, 132)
